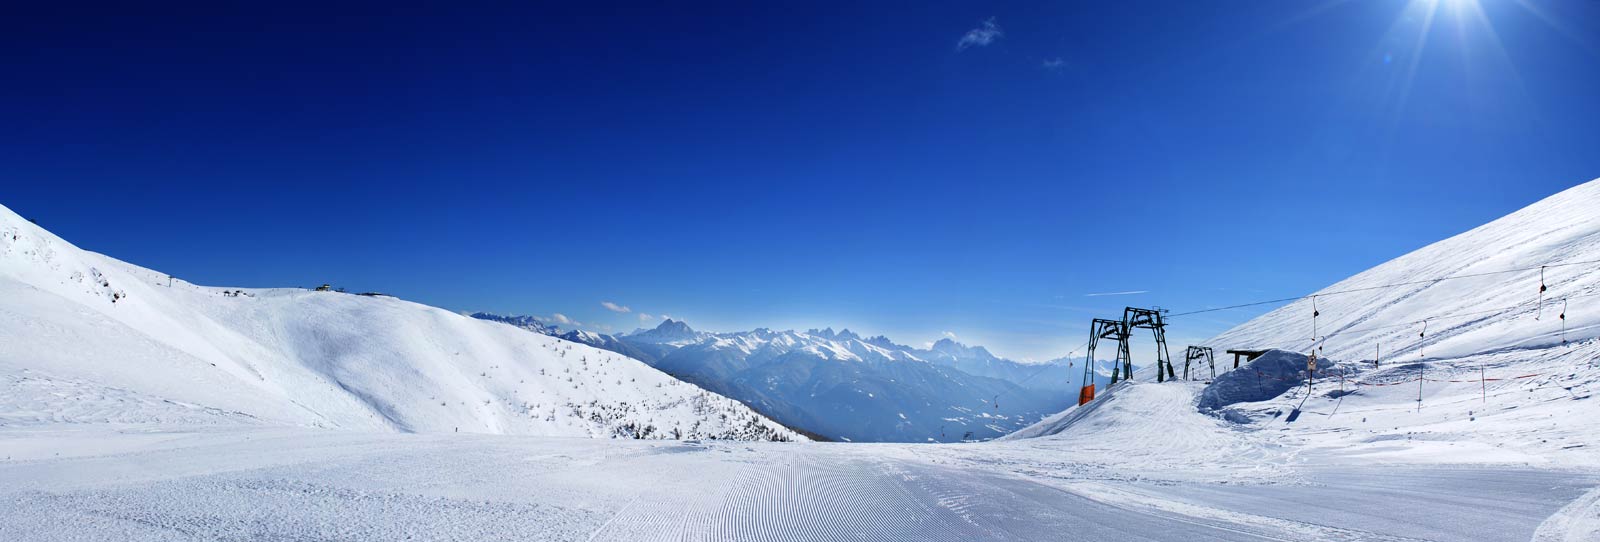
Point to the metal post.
(1311, 371)
(1137, 318)
(1421, 374)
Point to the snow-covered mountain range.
(840, 385)
(85, 338)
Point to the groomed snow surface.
(310, 425)
(278, 484)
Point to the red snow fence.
(1085, 395)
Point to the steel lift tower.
(1114, 330)
(1137, 318)
(1199, 353)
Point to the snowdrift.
(1266, 377)
(85, 338)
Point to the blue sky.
(915, 169)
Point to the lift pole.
(1103, 328)
(1137, 318)
(1199, 353)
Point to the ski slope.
(1494, 381)
(1450, 436)
(85, 338)
(295, 484)
(1493, 377)
(1477, 292)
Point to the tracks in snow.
(804, 495)
(311, 485)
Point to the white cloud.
(1054, 63)
(613, 307)
(1129, 292)
(645, 317)
(558, 318)
(949, 335)
(983, 35)
(666, 317)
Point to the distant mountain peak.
(675, 326)
(952, 348)
(669, 331)
(882, 341)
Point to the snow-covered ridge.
(1463, 316)
(85, 338)
(1494, 378)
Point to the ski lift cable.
(1541, 294)
(1423, 336)
(1385, 286)
(1319, 342)
(1314, 314)
(1564, 321)
(1410, 323)
(1044, 367)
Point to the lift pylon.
(1199, 353)
(1137, 318)
(1103, 328)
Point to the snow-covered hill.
(85, 338)
(1497, 373)
(1489, 300)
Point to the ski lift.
(1542, 288)
(1564, 322)
(1420, 338)
(1314, 314)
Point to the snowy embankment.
(85, 338)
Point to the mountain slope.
(1479, 308)
(1055, 375)
(88, 339)
(842, 386)
(1493, 378)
